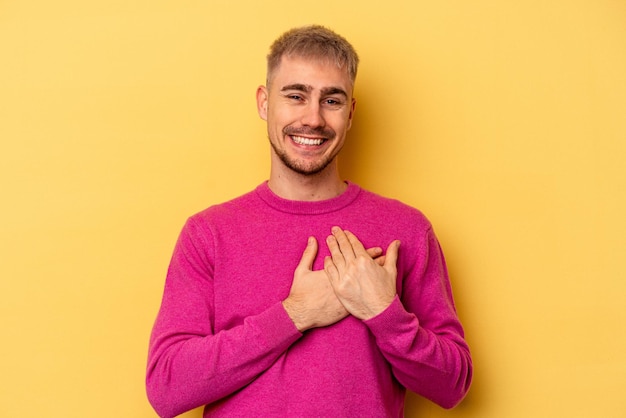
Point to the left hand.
(364, 286)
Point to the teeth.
(306, 141)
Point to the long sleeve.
(223, 339)
(189, 364)
(420, 334)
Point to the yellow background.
(505, 122)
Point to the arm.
(189, 364)
(419, 334)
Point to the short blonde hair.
(313, 41)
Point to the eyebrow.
(307, 89)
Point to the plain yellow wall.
(505, 122)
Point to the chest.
(255, 261)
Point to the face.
(308, 106)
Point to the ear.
(351, 115)
(261, 101)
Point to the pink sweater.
(223, 339)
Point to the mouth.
(301, 140)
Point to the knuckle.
(363, 262)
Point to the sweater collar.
(299, 207)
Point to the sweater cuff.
(277, 328)
(392, 321)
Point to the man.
(281, 302)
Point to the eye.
(332, 102)
(295, 97)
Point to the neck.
(294, 186)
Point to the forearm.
(433, 363)
(186, 370)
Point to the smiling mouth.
(300, 140)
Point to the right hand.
(312, 302)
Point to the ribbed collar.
(298, 207)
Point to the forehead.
(318, 73)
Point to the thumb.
(391, 256)
(308, 256)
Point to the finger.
(344, 244)
(391, 257)
(331, 270)
(308, 256)
(374, 252)
(380, 260)
(335, 251)
(357, 247)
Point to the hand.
(312, 301)
(365, 286)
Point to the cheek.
(275, 117)
(342, 124)
(348, 124)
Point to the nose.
(312, 115)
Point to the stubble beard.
(300, 167)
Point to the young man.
(281, 302)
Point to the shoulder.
(392, 210)
(238, 205)
(206, 224)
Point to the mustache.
(319, 131)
